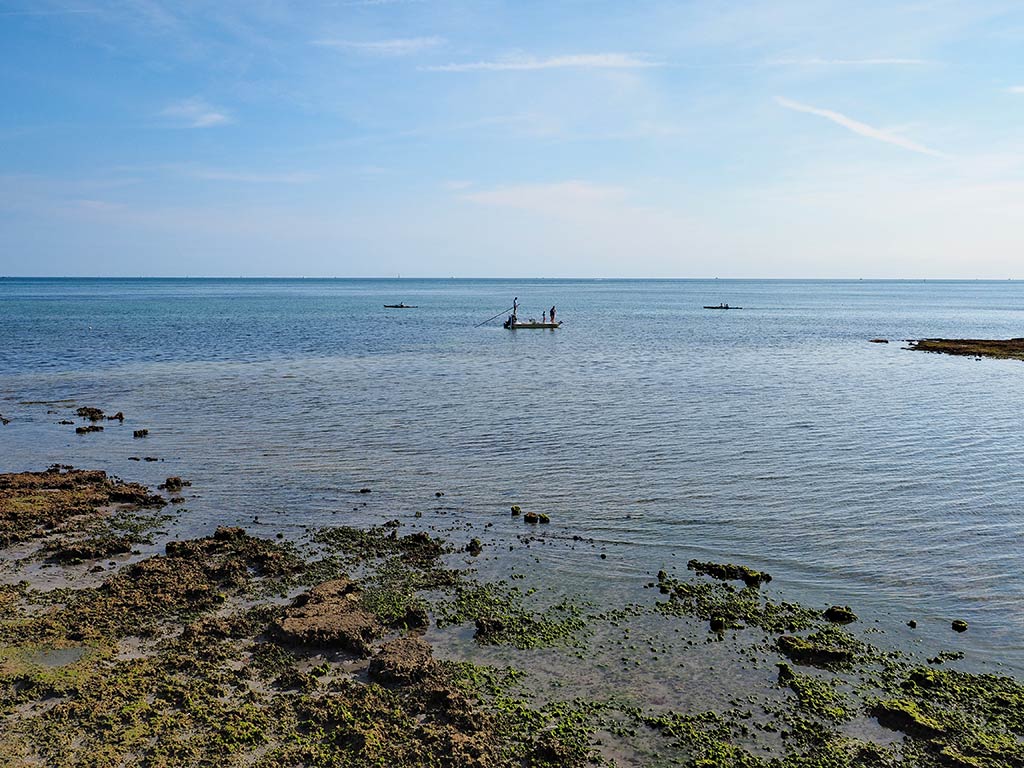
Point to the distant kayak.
(400, 306)
(721, 306)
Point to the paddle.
(491, 318)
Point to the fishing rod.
(491, 318)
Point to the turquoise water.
(777, 436)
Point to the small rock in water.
(912, 624)
(516, 509)
(364, 490)
(88, 429)
(140, 433)
(959, 625)
(116, 417)
(840, 614)
(439, 494)
(474, 547)
(879, 341)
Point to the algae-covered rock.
(330, 614)
(959, 625)
(35, 504)
(906, 716)
(92, 414)
(806, 651)
(730, 572)
(402, 661)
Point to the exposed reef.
(999, 348)
(334, 651)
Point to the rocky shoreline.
(234, 649)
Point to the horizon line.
(504, 278)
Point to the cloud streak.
(567, 61)
(861, 129)
(196, 113)
(403, 46)
(882, 62)
(1015, 89)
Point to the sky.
(572, 138)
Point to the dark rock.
(718, 624)
(912, 624)
(531, 517)
(173, 484)
(140, 433)
(364, 490)
(488, 628)
(178, 500)
(5, 422)
(88, 429)
(92, 414)
(959, 625)
(416, 617)
(65, 421)
(474, 547)
(439, 494)
(516, 509)
(150, 458)
(840, 614)
(879, 341)
(116, 417)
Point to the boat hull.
(530, 326)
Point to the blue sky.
(425, 138)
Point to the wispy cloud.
(820, 62)
(549, 198)
(569, 61)
(1015, 89)
(402, 46)
(52, 12)
(861, 129)
(196, 113)
(217, 174)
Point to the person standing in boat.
(552, 314)
(544, 316)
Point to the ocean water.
(775, 436)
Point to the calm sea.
(776, 435)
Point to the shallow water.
(775, 435)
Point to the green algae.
(501, 616)
(732, 608)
